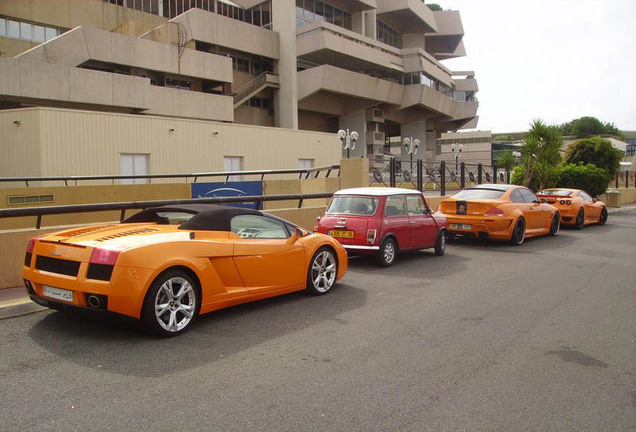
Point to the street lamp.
(411, 147)
(348, 139)
(517, 156)
(457, 152)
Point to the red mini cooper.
(383, 222)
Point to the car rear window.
(470, 194)
(555, 192)
(357, 205)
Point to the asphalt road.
(490, 337)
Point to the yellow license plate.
(341, 233)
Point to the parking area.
(489, 337)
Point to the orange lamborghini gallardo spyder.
(576, 207)
(499, 212)
(167, 265)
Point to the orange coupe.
(167, 265)
(577, 207)
(499, 212)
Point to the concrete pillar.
(370, 24)
(357, 22)
(415, 130)
(413, 40)
(355, 122)
(354, 173)
(285, 98)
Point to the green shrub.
(590, 178)
(597, 151)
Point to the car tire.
(580, 219)
(322, 271)
(171, 304)
(387, 253)
(440, 243)
(519, 232)
(603, 217)
(555, 224)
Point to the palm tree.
(541, 154)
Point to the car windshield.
(555, 192)
(470, 194)
(357, 205)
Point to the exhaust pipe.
(94, 301)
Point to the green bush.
(597, 151)
(518, 177)
(590, 178)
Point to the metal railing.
(136, 205)
(437, 175)
(307, 173)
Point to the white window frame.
(134, 164)
(233, 163)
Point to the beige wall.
(60, 142)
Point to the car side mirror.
(298, 233)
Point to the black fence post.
(495, 173)
(617, 175)
(442, 173)
(479, 173)
(420, 175)
(462, 176)
(626, 179)
(392, 172)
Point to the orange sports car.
(577, 207)
(167, 265)
(499, 212)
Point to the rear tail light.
(31, 245)
(104, 256)
(371, 236)
(494, 212)
(568, 202)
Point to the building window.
(308, 11)
(134, 164)
(27, 31)
(177, 83)
(231, 164)
(388, 34)
(305, 164)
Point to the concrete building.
(469, 147)
(373, 66)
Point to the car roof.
(208, 217)
(377, 191)
(494, 186)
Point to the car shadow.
(529, 245)
(121, 347)
(421, 262)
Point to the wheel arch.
(178, 267)
(391, 236)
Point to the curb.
(20, 308)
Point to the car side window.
(586, 197)
(415, 205)
(260, 227)
(515, 196)
(395, 206)
(528, 196)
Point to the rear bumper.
(497, 228)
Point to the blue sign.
(230, 189)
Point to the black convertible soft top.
(207, 217)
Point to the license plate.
(341, 233)
(58, 293)
(460, 226)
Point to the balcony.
(325, 43)
(418, 60)
(338, 91)
(446, 42)
(408, 16)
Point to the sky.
(555, 60)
